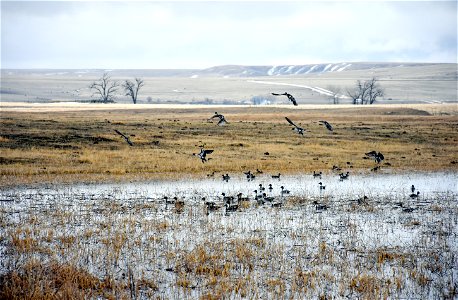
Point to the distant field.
(411, 83)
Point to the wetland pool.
(388, 245)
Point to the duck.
(240, 198)
(322, 187)
(211, 206)
(326, 123)
(169, 201)
(290, 97)
(276, 176)
(261, 188)
(362, 200)
(227, 199)
(298, 129)
(226, 177)
(415, 196)
(270, 187)
(126, 138)
(377, 156)
(267, 198)
(320, 206)
(284, 191)
(222, 120)
(315, 174)
(344, 176)
(276, 204)
(258, 197)
(203, 154)
(231, 207)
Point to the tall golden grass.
(81, 145)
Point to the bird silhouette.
(203, 154)
(298, 129)
(125, 137)
(222, 120)
(326, 123)
(377, 156)
(290, 97)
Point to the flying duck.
(298, 129)
(290, 97)
(203, 154)
(222, 119)
(377, 156)
(125, 137)
(326, 123)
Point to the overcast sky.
(191, 34)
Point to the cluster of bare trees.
(366, 92)
(105, 88)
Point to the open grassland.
(81, 145)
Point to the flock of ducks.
(268, 195)
(232, 203)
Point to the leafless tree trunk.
(105, 88)
(132, 88)
(336, 93)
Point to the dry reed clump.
(35, 280)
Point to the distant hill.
(224, 70)
(252, 71)
(236, 84)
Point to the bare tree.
(105, 88)
(132, 88)
(335, 93)
(373, 90)
(366, 91)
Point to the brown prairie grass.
(67, 146)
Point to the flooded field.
(362, 237)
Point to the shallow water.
(296, 235)
(305, 185)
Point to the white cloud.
(202, 34)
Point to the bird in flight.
(298, 129)
(203, 154)
(222, 119)
(377, 156)
(125, 137)
(290, 97)
(326, 123)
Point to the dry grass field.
(44, 143)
